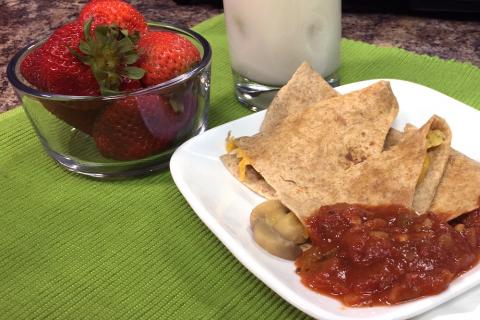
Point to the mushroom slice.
(270, 210)
(277, 230)
(291, 229)
(269, 239)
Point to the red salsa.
(367, 256)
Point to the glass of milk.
(269, 39)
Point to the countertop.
(21, 22)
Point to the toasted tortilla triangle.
(305, 88)
(438, 158)
(330, 136)
(459, 189)
(385, 178)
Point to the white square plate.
(224, 205)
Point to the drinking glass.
(269, 39)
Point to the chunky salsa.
(368, 256)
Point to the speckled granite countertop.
(23, 21)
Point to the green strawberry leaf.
(110, 54)
(86, 28)
(134, 73)
(126, 45)
(130, 58)
(85, 48)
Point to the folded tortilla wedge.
(305, 88)
(436, 161)
(459, 189)
(329, 136)
(389, 177)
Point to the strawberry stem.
(110, 54)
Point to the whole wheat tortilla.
(327, 137)
(253, 180)
(385, 178)
(425, 190)
(459, 189)
(305, 88)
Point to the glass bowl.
(65, 124)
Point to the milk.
(269, 39)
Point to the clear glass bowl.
(64, 124)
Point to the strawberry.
(137, 127)
(165, 55)
(30, 67)
(54, 69)
(72, 62)
(113, 12)
(129, 85)
(63, 73)
(81, 118)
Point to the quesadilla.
(459, 189)
(390, 177)
(435, 161)
(305, 88)
(331, 135)
(250, 177)
(443, 170)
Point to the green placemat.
(75, 248)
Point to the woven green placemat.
(76, 248)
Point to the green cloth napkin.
(76, 248)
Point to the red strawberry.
(72, 63)
(30, 68)
(81, 118)
(113, 12)
(61, 72)
(137, 127)
(54, 69)
(91, 1)
(165, 55)
(129, 85)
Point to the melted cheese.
(241, 154)
(230, 143)
(434, 139)
(244, 162)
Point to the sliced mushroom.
(269, 239)
(277, 230)
(291, 229)
(270, 210)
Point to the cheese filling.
(241, 155)
(434, 139)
